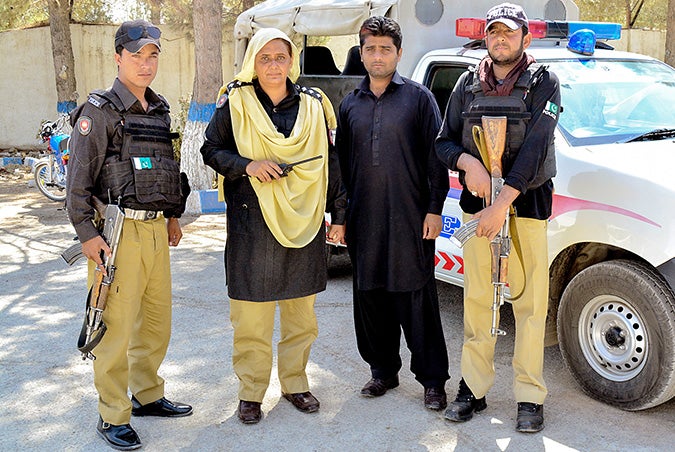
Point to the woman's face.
(273, 63)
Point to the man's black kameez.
(393, 180)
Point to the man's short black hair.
(381, 26)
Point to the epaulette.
(310, 91)
(474, 86)
(164, 102)
(237, 84)
(99, 98)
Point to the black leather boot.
(465, 404)
(530, 417)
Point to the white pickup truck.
(612, 231)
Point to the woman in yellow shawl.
(275, 252)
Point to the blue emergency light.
(582, 41)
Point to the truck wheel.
(616, 329)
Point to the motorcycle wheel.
(54, 189)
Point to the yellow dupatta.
(293, 207)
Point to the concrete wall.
(28, 88)
(647, 42)
(28, 91)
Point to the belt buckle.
(150, 215)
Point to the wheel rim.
(55, 190)
(613, 338)
(42, 177)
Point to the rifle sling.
(95, 339)
(97, 335)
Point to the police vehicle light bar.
(474, 28)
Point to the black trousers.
(379, 317)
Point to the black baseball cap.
(133, 35)
(513, 16)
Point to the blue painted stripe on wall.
(209, 202)
(65, 107)
(201, 112)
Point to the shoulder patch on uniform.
(221, 100)
(551, 109)
(84, 125)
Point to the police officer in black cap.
(122, 154)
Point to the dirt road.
(49, 402)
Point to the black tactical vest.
(144, 174)
(516, 107)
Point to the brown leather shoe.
(435, 398)
(377, 387)
(303, 401)
(249, 412)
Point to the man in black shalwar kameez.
(396, 187)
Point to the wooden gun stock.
(494, 134)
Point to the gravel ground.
(49, 401)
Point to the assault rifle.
(111, 221)
(491, 140)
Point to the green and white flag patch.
(551, 109)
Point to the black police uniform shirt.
(97, 135)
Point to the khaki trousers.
(253, 324)
(138, 317)
(527, 277)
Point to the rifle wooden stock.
(494, 134)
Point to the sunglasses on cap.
(141, 31)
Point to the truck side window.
(318, 60)
(441, 80)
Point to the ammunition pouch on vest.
(516, 107)
(144, 174)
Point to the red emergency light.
(474, 28)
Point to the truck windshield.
(609, 101)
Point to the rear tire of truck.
(616, 329)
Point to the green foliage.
(20, 14)
(652, 14)
(92, 11)
(16, 14)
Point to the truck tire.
(616, 329)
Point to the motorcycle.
(50, 171)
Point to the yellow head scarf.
(293, 207)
